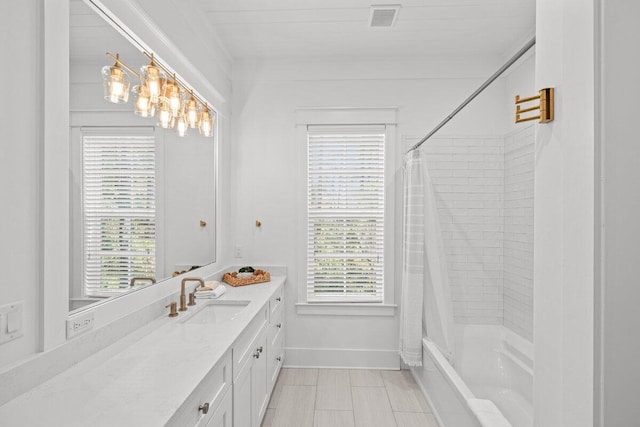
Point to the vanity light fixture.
(154, 79)
(192, 111)
(144, 107)
(164, 115)
(116, 83)
(173, 103)
(181, 124)
(206, 122)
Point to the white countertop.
(142, 379)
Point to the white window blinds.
(345, 213)
(118, 196)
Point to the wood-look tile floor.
(347, 398)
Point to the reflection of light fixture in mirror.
(164, 115)
(181, 125)
(206, 122)
(171, 95)
(192, 111)
(158, 94)
(144, 106)
(154, 79)
(116, 83)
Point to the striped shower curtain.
(426, 300)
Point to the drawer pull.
(256, 355)
(259, 349)
(204, 408)
(278, 299)
(279, 359)
(279, 325)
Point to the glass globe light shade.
(164, 116)
(154, 79)
(143, 106)
(193, 112)
(206, 123)
(182, 125)
(171, 95)
(116, 84)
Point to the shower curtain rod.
(497, 74)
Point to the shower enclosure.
(475, 195)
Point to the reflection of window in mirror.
(119, 211)
(114, 196)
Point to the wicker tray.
(259, 276)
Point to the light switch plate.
(11, 321)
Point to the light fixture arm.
(119, 62)
(177, 81)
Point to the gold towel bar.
(545, 106)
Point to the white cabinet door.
(250, 390)
(242, 397)
(223, 417)
(259, 382)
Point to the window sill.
(346, 309)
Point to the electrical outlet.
(238, 253)
(80, 324)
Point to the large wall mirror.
(142, 197)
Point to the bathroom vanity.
(213, 365)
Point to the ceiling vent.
(383, 15)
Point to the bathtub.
(488, 383)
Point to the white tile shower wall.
(468, 175)
(518, 231)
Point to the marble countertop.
(142, 379)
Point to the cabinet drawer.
(242, 348)
(277, 299)
(211, 391)
(223, 416)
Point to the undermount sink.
(216, 312)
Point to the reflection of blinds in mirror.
(119, 209)
(345, 214)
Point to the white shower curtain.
(426, 299)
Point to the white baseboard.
(341, 358)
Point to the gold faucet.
(183, 295)
(136, 279)
(173, 306)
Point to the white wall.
(266, 95)
(564, 217)
(618, 323)
(20, 168)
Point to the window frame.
(306, 117)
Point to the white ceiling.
(252, 29)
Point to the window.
(345, 213)
(119, 212)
